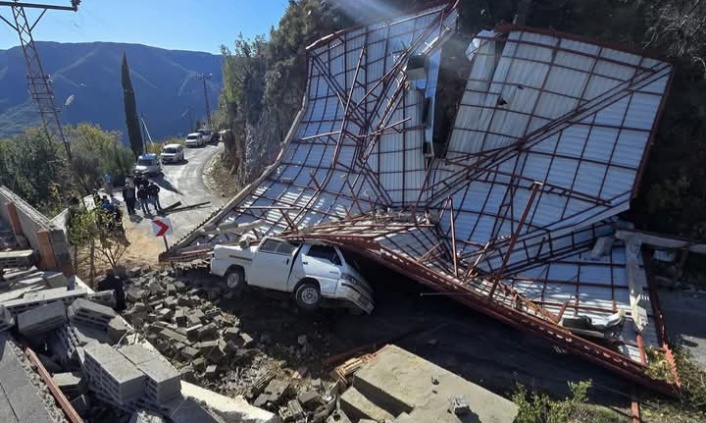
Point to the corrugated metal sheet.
(572, 116)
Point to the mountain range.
(169, 97)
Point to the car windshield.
(170, 151)
(192, 137)
(145, 162)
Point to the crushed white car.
(313, 273)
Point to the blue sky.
(198, 25)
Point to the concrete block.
(174, 336)
(231, 334)
(112, 374)
(42, 319)
(400, 382)
(55, 280)
(105, 298)
(207, 332)
(277, 390)
(180, 318)
(117, 329)
(71, 384)
(81, 404)
(192, 332)
(89, 313)
(163, 382)
(189, 353)
(310, 400)
(179, 286)
(87, 334)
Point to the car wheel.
(308, 296)
(235, 279)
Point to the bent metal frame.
(515, 216)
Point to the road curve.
(184, 182)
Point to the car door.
(271, 264)
(322, 263)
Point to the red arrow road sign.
(161, 227)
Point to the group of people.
(112, 219)
(146, 192)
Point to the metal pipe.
(513, 240)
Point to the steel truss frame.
(40, 85)
(323, 195)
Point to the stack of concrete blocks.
(37, 299)
(113, 378)
(163, 382)
(90, 314)
(7, 320)
(42, 319)
(64, 343)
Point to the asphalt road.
(685, 318)
(184, 182)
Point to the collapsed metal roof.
(516, 213)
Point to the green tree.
(131, 118)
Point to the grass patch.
(536, 407)
(691, 406)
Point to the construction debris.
(41, 319)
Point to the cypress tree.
(131, 119)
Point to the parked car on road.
(148, 165)
(206, 135)
(313, 273)
(194, 139)
(172, 153)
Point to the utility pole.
(203, 77)
(40, 86)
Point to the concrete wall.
(42, 235)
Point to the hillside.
(165, 89)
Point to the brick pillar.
(47, 259)
(14, 219)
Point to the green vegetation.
(88, 229)
(37, 170)
(535, 407)
(132, 120)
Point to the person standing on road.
(129, 197)
(144, 201)
(153, 193)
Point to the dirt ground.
(142, 250)
(226, 186)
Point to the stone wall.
(35, 230)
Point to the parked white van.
(312, 272)
(172, 153)
(194, 139)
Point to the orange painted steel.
(61, 399)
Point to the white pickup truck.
(312, 272)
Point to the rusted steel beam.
(513, 240)
(61, 399)
(452, 217)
